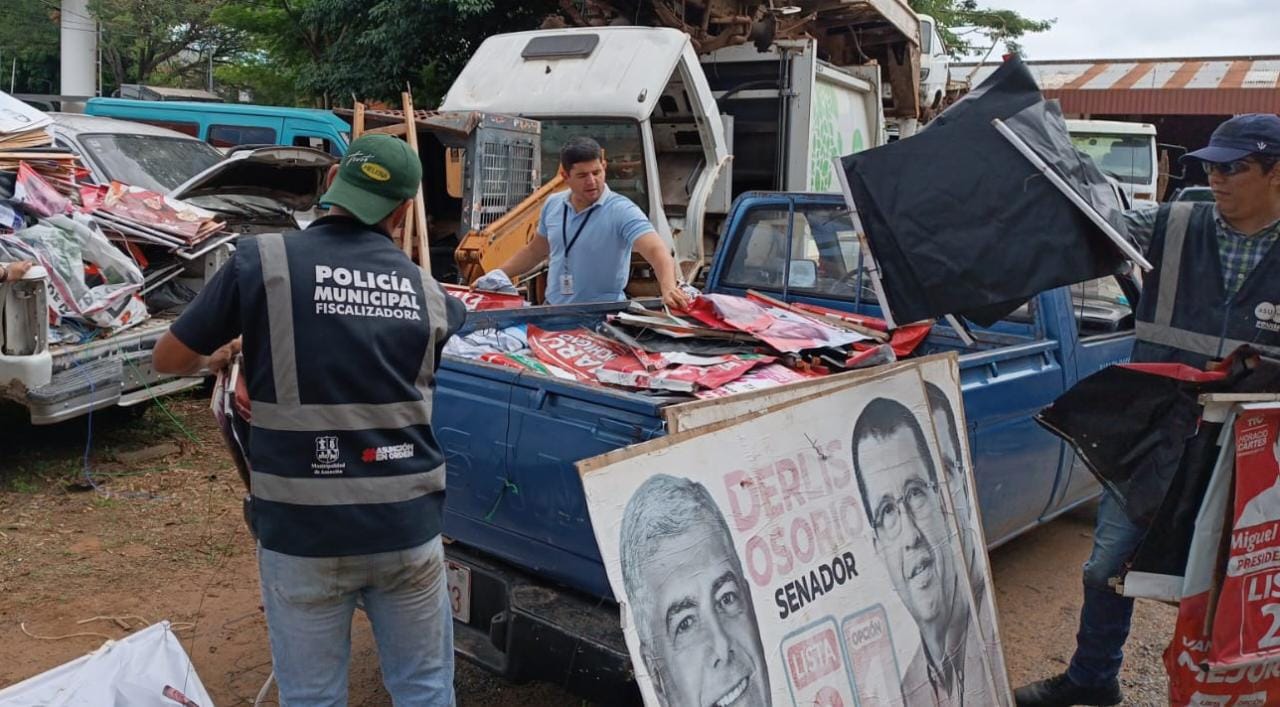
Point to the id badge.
(566, 284)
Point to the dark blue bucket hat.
(1243, 135)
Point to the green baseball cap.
(378, 173)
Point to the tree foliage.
(334, 49)
(28, 46)
(967, 27)
(163, 41)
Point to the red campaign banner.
(1223, 651)
(785, 331)
(1191, 684)
(1246, 625)
(517, 361)
(630, 372)
(480, 301)
(577, 351)
(770, 376)
(37, 194)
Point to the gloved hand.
(495, 281)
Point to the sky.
(1124, 29)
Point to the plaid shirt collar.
(1240, 253)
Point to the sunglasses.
(1227, 169)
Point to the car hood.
(294, 176)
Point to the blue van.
(227, 125)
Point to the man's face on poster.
(910, 529)
(954, 470)
(701, 624)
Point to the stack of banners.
(628, 371)
(63, 246)
(1226, 644)
(56, 166)
(773, 375)
(784, 330)
(36, 194)
(24, 140)
(480, 300)
(726, 345)
(132, 214)
(821, 551)
(21, 126)
(573, 353)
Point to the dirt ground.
(158, 535)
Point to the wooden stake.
(419, 203)
(357, 121)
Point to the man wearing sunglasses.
(1215, 286)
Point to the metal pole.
(1123, 243)
(13, 74)
(211, 70)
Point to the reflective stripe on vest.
(289, 414)
(1161, 331)
(338, 491)
(1175, 236)
(1195, 342)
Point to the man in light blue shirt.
(588, 233)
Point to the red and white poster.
(629, 371)
(1225, 650)
(481, 301)
(577, 351)
(1246, 625)
(783, 330)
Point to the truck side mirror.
(802, 274)
(1174, 154)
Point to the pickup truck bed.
(518, 521)
(531, 597)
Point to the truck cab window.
(623, 153)
(760, 259)
(822, 259)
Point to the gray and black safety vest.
(1185, 314)
(341, 332)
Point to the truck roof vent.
(560, 46)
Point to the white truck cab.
(935, 67)
(1124, 151)
(683, 134)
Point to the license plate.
(459, 580)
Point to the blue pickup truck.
(531, 598)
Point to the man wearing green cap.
(341, 336)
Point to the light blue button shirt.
(599, 260)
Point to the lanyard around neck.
(564, 227)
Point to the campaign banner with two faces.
(823, 551)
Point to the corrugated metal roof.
(1193, 85)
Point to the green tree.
(163, 41)
(28, 46)
(967, 28)
(333, 49)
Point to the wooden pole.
(419, 204)
(357, 121)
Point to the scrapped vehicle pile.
(722, 346)
(116, 254)
(47, 216)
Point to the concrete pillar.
(79, 53)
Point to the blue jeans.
(1105, 616)
(309, 603)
